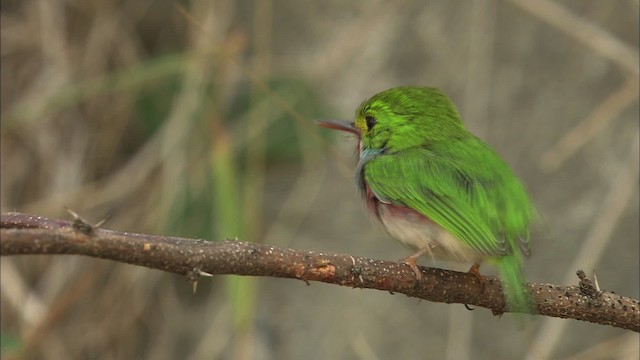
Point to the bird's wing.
(463, 198)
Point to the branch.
(23, 234)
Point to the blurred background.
(195, 119)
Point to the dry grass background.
(200, 125)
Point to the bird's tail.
(514, 284)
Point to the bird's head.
(403, 117)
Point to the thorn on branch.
(83, 225)
(202, 273)
(194, 274)
(101, 222)
(587, 287)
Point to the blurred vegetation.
(196, 119)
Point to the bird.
(438, 189)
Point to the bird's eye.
(371, 121)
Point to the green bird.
(437, 188)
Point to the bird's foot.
(475, 271)
(410, 261)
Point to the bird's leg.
(475, 270)
(411, 261)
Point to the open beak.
(339, 125)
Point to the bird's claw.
(475, 271)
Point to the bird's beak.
(339, 125)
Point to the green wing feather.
(479, 201)
(468, 190)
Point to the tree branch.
(23, 234)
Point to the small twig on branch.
(23, 234)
